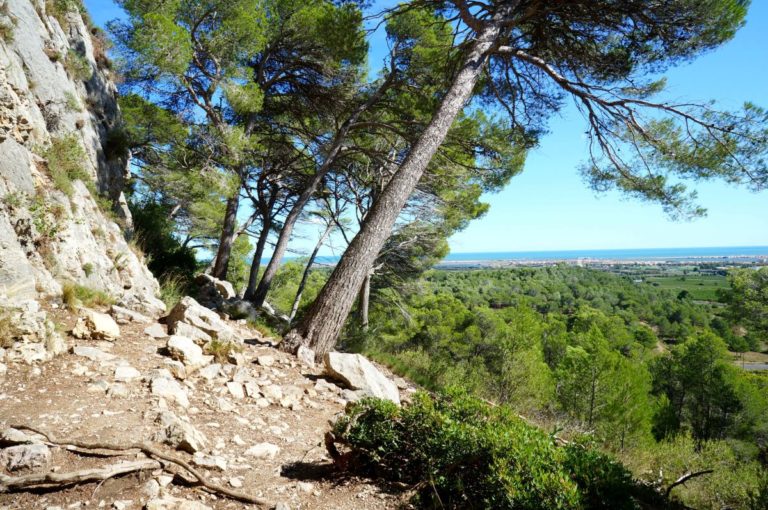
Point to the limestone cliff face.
(59, 152)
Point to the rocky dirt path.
(256, 425)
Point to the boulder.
(189, 311)
(188, 352)
(27, 456)
(306, 356)
(169, 389)
(156, 331)
(179, 434)
(189, 331)
(124, 315)
(96, 325)
(358, 373)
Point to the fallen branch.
(685, 478)
(52, 480)
(150, 450)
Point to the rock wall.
(56, 91)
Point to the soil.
(68, 397)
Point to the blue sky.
(549, 207)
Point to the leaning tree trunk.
(320, 327)
(227, 237)
(253, 277)
(307, 269)
(365, 300)
(293, 216)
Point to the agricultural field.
(701, 287)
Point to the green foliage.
(286, 283)
(74, 296)
(461, 452)
(60, 8)
(734, 483)
(65, 158)
(72, 102)
(87, 269)
(173, 287)
(221, 351)
(155, 234)
(77, 66)
(700, 389)
(748, 299)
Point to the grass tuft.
(74, 296)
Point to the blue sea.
(742, 253)
(642, 254)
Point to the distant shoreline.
(642, 256)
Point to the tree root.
(153, 452)
(54, 480)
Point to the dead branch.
(685, 478)
(54, 480)
(152, 451)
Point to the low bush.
(74, 296)
(220, 350)
(77, 66)
(65, 159)
(460, 452)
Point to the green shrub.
(172, 288)
(65, 162)
(88, 269)
(72, 102)
(220, 350)
(460, 452)
(59, 9)
(77, 66)
(74, 296)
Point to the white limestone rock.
(358, 373)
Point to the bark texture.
(227, 238)
(323, 322)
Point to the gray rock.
(179, 434)
(209, 461)
(190, 312)
(196, 334)
(306, 356)
(92, 353)
(28, 456)
(96, 325)
(177, 368)
(124, 314)
(156, 331)
(263, 451)
(236, 390)
(168, 502)
(358, 373)
(210, 372)
(126, 373)
(272, 392)
(265, 360)
(169, 389)
(188, 352)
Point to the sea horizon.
(698, 253)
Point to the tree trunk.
(253, 277)
(320, 327)
(305, 276)
(227, 237)
(365, 299)
(293, 216)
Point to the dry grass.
(74, 296)
(221, 351)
